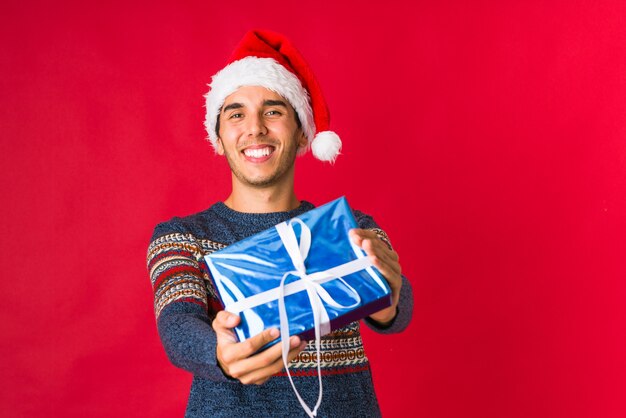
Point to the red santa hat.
(269, 60)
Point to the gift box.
(303, 276)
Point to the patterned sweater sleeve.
(405, 304)
(183, 303)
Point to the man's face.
(259, 136)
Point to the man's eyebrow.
(274, 103)
(265, 103)
(232, 106)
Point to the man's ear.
(302, 141)
(220, 148)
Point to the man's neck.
(252, 200)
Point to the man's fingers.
(223, 324)
(225, 320)
(358, 235)
(391, 267)
(385, 258)
(362, 236)
(245, 349)
(389, 271)
(386, 265)
(241, 360)
(258, 368)
(379, 249)
(258, 341)
(274, 353)
(262, 375)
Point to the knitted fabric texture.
(185, 304)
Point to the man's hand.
(386, 261)
(238, 359)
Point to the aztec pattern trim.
(178, 271)
(341, 351)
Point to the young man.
(263, 109)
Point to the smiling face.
(259, 135)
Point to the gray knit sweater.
(186, 303)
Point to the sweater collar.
(270, 219)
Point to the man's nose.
(256, 126)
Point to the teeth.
(258, 153)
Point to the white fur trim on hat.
(263, 72)
(326, 146)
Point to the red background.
(488, 138)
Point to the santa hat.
(269, 60)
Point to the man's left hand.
(386, 261)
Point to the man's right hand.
(238, 359)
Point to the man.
(263, 109)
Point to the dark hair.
(217, 123)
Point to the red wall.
(487, 138)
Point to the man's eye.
(236, 116)
(273, 113)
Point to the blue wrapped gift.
(306, 271)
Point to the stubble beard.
(284, 165)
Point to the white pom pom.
(326, 146)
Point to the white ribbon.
(316, 293)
